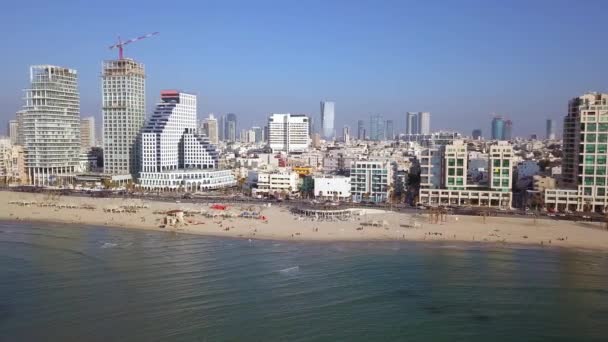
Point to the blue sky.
(460, 60)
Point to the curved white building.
(327, 119)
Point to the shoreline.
(282, 225)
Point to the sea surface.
(68, 283)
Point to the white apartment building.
(371, 180)
(450, 164)
(12, 162)
(49, 125)
(332, 188)
(123, 107)
(174, 156)
(13, 131)
(87, 133)
(273, 182)
(289, 133)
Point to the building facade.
(210, 128)
(371, 181)
(123, 107)
(424, 123)
(376, 128)
(12, 131)
(49, 125)
(411, 123)
(360, 130)
(87, 133)
(550, 130)
(289, 133)
(498, 128)
(230, 127)
(327, 120)
(332, 188)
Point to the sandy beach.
(281, 224)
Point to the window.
(460, 162)
(496, 163)
(600, 181)
(589, 170)
(602, 137)
(588, 180)
(603, 127)
(590, 137)
(601, 191)
(459, 181)
(505, 163)
(496, 182)
(590, 148)
(601, 160)
(601, 148)
(450, 172)
(590, 160)
(591, 127)
(587, 191)
(451, 162)
(505, 183)
(459, 172)
(600, 170)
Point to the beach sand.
(283, 225)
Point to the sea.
(89, 283)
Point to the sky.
(462, 61)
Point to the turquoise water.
(61, 283)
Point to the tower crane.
(121, 44)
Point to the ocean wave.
(109, 245)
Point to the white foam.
(109, 245)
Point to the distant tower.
(87, 133)
(507, 130)
(346, 134)
(390, 130)
(477, 134)
(376, 128)
(424, 123)
(210, 127)
(498, 128)
(550, 129)
(411, 123)
(327, 119)
(12, 131)
(230, 128)
(360, 130)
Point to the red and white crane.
(121, 44)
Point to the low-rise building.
(371, 180)
(276, 183)
(332, 188)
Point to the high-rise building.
(477, 134)
(49, 125)
(550, 134)
(123, 106)
(230, 127)
(424, 123)
(12, 131)
(258, 133)
(289, 133)
(411, 123)
(507, 130)
(327, 119)
(87, 133)
(498, 128)
(346, 135)
(500, 160)
(221, 125)
(174, 155)
(390, 130)
(376, 127)
(360, 130)
(210, 127)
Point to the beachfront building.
(371, 180)
(585, 156)
(123, 108)
(12, 163)
(49, 125)
(332, 188)
(277, 182)
(449, 164)
(87, 133)
(174, 155)
(288, 132)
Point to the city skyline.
(227, 84)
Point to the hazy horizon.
(461, 62)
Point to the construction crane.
(121, 44)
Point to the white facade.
(87, 133)
(123, 107)
(49, 125)
(371, 180)
(187, 180)
(411, 123)
(333, 188)
(424, 123)
(273, 182)
(501, 164)
(289, 133)
(327, 119)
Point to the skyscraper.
(259, 135)
(550, 135)
(498, 128)
(211, 129)
(49, 125)
(289, 133)
(230, 127)
(360, 130)
(376, 127)
(411, 123)
(507, 130)
(477, 134)
(87, 133)
(221, 127)
(346, 135)
(12, 131)
(390, 130)
(327, 119)
(424, 123)
(123, 107)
